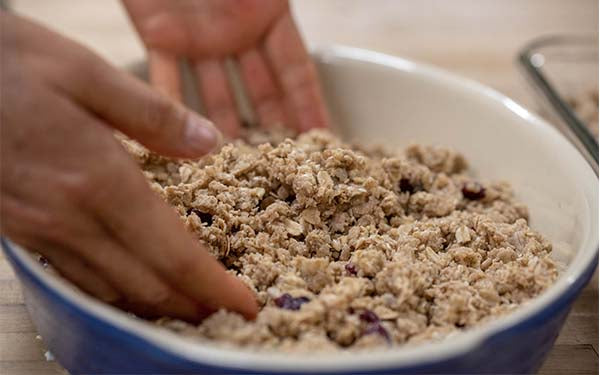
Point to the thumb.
(133, 107)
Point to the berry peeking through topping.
(473, 191)
(369, 316)
(373, 325)
(286, 301)
(406, 186)
(351, 268)
(377, 328)
(203, 216)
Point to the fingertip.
(244, 300)
(200, 135)
(250, 311)
(312, 119)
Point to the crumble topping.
(350, 247)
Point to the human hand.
(70, 191)
(260, 35)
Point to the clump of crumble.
(353, 247)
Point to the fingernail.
(201, 136)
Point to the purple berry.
(377, 328)
(351, 268)
(286, 301)
(374, 325)
(473, 191)
(369, 316)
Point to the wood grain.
(475, 38)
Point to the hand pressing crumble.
(70, 191)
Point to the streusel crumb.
(352, 247)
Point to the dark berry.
(369, 316)
(406, 186)
(473, 191)
(373, 324)
(377, 328)
(351, 268)
(203, 216)
(286, 301)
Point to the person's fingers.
(15, 215)
(265, 96)
(133, 107)
(22, 217)
(157, 27)
(217, 97)
(137, 282)
(176, 306)
(93, 262)
(164, 74)
(143, 291)
(153, 233)
(79, 273)
(91, 170)
(110, 181)
(296, 74)
(16, 218)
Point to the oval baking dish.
(385, 99)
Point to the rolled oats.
(349, 246)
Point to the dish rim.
(454, 346)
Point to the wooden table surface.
(474, 38)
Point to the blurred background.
(475, 38)
(479, 39)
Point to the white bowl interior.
(500, 139)
(379, 98)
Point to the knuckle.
(77, 184)
(299, 75)
(96, 184)
(161, 116)
(86, 188)
(51, 227)
(20, 219)
(48, 221)
(155, 296)
(86, 60)
(182, 267)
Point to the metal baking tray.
(564, 69)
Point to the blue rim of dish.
(541, 82)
